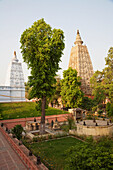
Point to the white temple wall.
(23, 94)
(15, 95)
(4, 93)
(11, 94)
(14, 89)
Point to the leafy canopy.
(70, 88)
(102, 81)
(90, 156)
(87, 103)
(109, 109)
(56, 95)
(42, 48)
(98, 91)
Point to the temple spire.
(78, 39)
(80, 60)
(15, 57)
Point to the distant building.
(80, 60)
(14, 89)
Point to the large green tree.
(42, 48)
(97, 85)
(70, 88)
(108, 74)
(102, 81)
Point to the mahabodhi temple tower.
(80, 60)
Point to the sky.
(93, 18)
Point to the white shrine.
(14, 89)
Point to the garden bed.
(52, 152)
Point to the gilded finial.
(15, 57)
(77, 31)
(14, 53)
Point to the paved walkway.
(9, 160)
(13, 122)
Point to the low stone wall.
(92, 130)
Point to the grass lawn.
(54, 151)
(23, 110)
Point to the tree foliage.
(97, 85)
(56, 95)
(109, 109)
(70, 88)
(42, 48)
(87, 103)
(106, 76)
(27, 91)
(102, 81)
(90, 156)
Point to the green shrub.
(35, 139)
(65, 127)
(59, 135)
(89, 117)
(100, 106)
(100, 112)
(43, 137)
(89, 139)
(94, 108)
(49, 136)
(17, 130)
(91, 156)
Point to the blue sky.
(94, 19)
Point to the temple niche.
(14, 89)
(80, 60)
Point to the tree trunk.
(42, 124)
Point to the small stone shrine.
(77, 113)
(32, 125)
(56, 125)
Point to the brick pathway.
(13, 122)
(9, 160)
